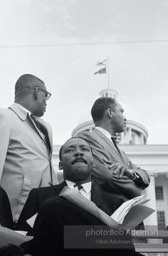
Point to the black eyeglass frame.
(47, 94)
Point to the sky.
(60, 41)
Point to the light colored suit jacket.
(25, 160)
(104, 152)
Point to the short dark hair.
(99, 107)
(24, 82)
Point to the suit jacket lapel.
(23, 114)
(59, 187)
(48, 132)
(111, 146)
(106, 140)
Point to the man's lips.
(81, 160)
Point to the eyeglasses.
(47, 94)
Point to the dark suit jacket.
(6, 219)
(58, 213)
(104, 152)
(100, 196)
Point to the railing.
(152, 249)
(157, 244)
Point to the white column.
(127, 137)
(142, 138)
(150, 194)
(152, 219)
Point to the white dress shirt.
(84, 191)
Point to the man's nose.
(78, 152)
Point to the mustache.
(79, 159)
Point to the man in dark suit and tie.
(58, 212)
(72, 175)
(112, 166)
(6, 219)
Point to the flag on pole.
(101, 71)
(101, 62)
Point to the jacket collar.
(20, 111)
(60, 186)
(105, 132)
(110, 143)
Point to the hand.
(118, 169)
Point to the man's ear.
(110, 112)
(60, 166)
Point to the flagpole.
(108, 72)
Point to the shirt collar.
(86, 186)
(105, 132)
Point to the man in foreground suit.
(6, 219)
(56, 213)
(111, 164)
(26, 143)
(72, 174)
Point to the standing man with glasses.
(26, 143)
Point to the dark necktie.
(115, 144)
(79, 186)
(42, 129)
(83, 192)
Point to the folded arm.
(108, 168)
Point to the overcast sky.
(60, 41)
